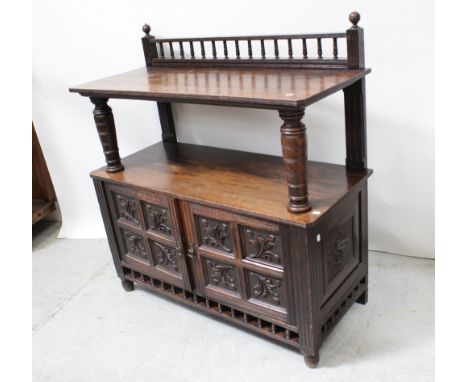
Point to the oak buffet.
(275, 245)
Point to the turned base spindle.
(294, 147)
(104, 120)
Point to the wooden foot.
(311, 361)
(362, 298)
(294, 146)
(128, 285)
(104, 120)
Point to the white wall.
(79, 41)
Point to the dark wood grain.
(323, 264)
(256, 55)
(109, 226)
(258, 88)
(355, 43)
(41, 209)
(208, 227)
(294, 147)
(234, 179)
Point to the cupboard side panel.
(109, 226)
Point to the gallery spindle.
(213, 48)
(290, 49)
(171, 49)
(202, 47)
(181, 49)
(192, 50)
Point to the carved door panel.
(237, 260)
(148, 231)
(340, 243)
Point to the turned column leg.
(294, 146)
(104, 120)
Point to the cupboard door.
(340, 245)
(149, 233)
(237, 260)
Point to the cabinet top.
(269, 88)
(243, 182)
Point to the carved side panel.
(266, 289)
(127, 209)
(222, 275)
(164, 257)
(339, 248)
(134, 246)
(261, 246)
(158, 219)
(215, 234)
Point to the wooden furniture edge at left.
(43, 193)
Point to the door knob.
(191, 250)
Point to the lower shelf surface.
(236, 180)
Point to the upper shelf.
(269, 71)
(271, 88)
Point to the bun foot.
(128, 285)
(362, 298)
(311, 361)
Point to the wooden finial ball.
(354, 17)
(146, 28)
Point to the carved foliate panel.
(261, 246)
(215, 234)
(339, 248)
(265, 288)
(222, 275)
(164, 257)
(127, 209)
(158, 219)
(134, 246)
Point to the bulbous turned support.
(104, 120)
(294, 146)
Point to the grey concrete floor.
(87, 328)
